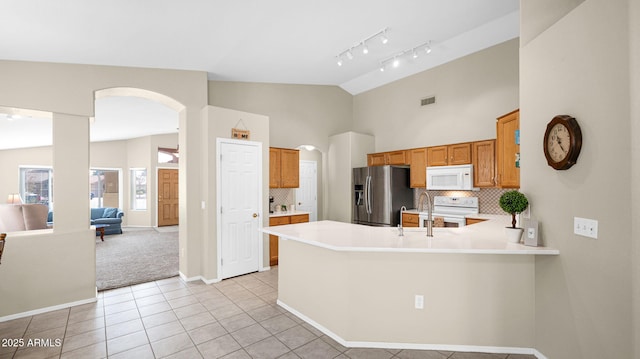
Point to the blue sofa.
(108, 215)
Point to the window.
(139, 189)
(103, 187)
(36, 185)
(168, 155)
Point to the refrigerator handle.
(368, 195)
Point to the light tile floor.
(236, 318)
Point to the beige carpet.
(136, 256)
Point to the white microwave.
(450, 178)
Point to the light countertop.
(481, 238)
(287, 213)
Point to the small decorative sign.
(240, 134)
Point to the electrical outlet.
(585, 227)
(419, 301)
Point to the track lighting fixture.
(383, 37)
(395, 59)
(348, 53)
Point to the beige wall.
(217, 123)
(346, 151)
(471, 93)
(583, 296)
(540, 15)
(298, 114)
(474, 300)
(67, 91)
(634, 41)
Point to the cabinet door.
(484, 167)
(300, 218)
(418, 166)
(508, 150)
(397, 158)
(437, 156)
(273, 240)
(274, 168)
(410, 220)
(459, 154)
(376, 159)
(290, 168)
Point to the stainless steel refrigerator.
(378, 194)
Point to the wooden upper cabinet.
(397, 158)
(484, 163)
(456, 154)
(418, 166)
(459, 154)
(376, 159)
(388, 158)
(274, 167)
(290, 168)
(437, 156)
(284, 168)
(508, 150)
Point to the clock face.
(558, 142)
(562, 142)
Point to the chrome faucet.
(429, 211)
(400, 230)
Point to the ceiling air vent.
(428, 101)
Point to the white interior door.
(307, 193)
(239, 198)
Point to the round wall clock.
(562, 142)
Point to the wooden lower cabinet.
(410, 220)
(469, 221)
(273, 240)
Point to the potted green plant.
(513, 202)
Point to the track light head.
(365, 49)
(383, 37)
(349, 55)
(427, 49)
(339, 62)
(415, 54)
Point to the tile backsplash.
(487, 198)
(283, 196)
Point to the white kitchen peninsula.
(360, 285)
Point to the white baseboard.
(198, 277)
(412, 346)
(47, 309)
(264, 269)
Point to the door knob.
(255, 215)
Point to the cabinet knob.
(255, 215)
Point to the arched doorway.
(128, 130)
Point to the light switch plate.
(585, 227)
(531, 233)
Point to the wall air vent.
(428, 101)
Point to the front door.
(167, 197)
(240, 189)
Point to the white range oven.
(452, 209)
